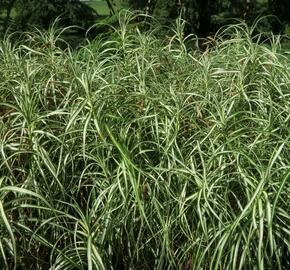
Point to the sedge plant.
(135, 152)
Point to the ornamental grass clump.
(135, 152)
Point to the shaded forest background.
(203, 17)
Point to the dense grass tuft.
(140, 153)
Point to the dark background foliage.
(204, 17)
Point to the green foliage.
(100, 6)
(280, 9)
(205, 17)
(137, 4)
(141, 153)
(43, 13)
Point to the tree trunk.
(150, 6)
(111, 7)
(247, 10)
